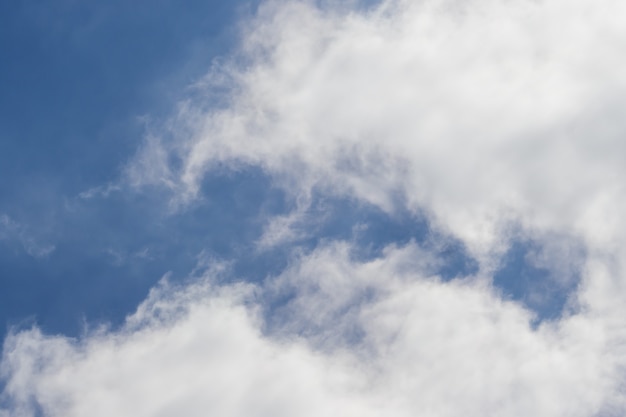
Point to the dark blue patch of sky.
(76, 80)
(519, 279)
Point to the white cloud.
(497, 119)
(482, 113)
(424, 347)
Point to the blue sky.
(364, 192)
(78, 80)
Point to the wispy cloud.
(12, 231)
(102, 191)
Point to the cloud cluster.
(418, 346)
(482, 113)
(498, 120)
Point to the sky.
(304, 208)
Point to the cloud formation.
(482, 113)
(418, 346)
(498, 120)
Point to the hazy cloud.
(11, 230)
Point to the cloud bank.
(354, 339)
(497, 120)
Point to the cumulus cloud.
(419, 346)
(483, 113)
(499, 120)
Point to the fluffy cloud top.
(416, 346)
(492, 117)
(482, 113)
